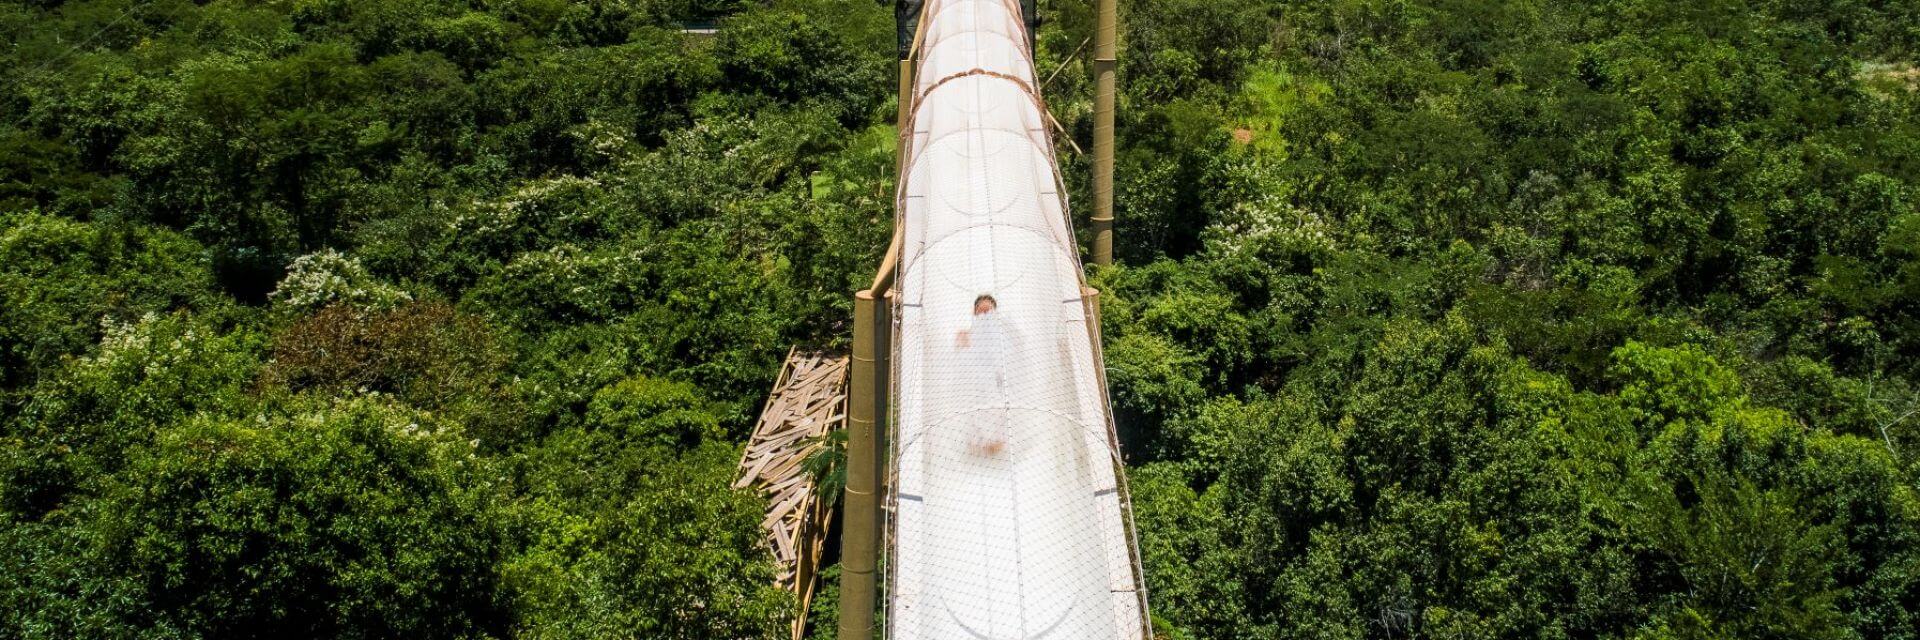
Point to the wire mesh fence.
(1009, 515)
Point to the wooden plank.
(783, 537)
(758, 466)
(778, 513)
(790, 481)
(807, 400)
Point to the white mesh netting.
(1008, 509)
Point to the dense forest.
(1434, 318)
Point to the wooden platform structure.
(808, 402)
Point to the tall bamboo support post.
(1104, 63)
(906, 95)
(859, 539)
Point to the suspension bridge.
(985, 497)
(1008, 514)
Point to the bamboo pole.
(905, 111)
(859, 553)
(1104, 62)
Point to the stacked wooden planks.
(808, 402)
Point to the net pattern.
(1008, 506)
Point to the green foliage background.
(419, 318)
(1473, 318)
(1437, 318)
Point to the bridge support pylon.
(866, 411)
(1104, 64)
